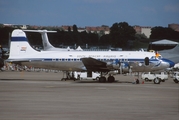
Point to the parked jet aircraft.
(46, 44)
(171, 54)
(102, 61)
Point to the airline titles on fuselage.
(96, 56)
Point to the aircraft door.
(146, 61)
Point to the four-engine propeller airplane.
(102, 61)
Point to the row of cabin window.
(80, 59)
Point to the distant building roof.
(165, 42)
(174, 26)
(97, 28)
(65, 27)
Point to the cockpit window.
(154, 57)
(159, 57)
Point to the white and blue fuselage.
(22, 52)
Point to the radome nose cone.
(171, 63)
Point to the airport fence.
(20, 68)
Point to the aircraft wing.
(94, 64)
(20, 60)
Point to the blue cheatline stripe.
(75, 59)
(16, 39)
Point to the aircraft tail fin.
(45, 40)
(19, 45)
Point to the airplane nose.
(171, 63)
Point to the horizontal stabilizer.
(40, 31)
(45, 41)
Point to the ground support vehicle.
(155, 77)
(73, 75)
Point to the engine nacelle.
(121, 67)
(113, 65)
(124, 68)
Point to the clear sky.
(89, 12)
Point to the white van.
(153, 76)
(87, 75)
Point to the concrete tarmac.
(43, 96)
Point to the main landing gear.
(103, 79)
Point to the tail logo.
(23, 49)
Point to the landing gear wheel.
(102, 79)
(111, 79)
(157, 81)
(97, 78)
